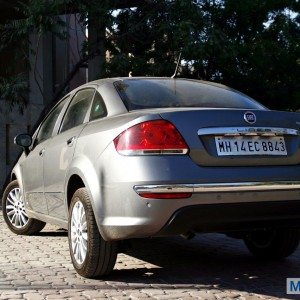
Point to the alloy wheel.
(15, 209)
(79, 235)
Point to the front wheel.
(272, 244)
(91, 255)
(14, 212)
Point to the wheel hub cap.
(15, 209)
(79, 234)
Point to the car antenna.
(177, 66)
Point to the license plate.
(250, 146)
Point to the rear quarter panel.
(89, 162)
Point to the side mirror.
(23, 140)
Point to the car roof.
(114, 79)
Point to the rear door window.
(77, 111)
(47, 127)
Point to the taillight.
(151, 138)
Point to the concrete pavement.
(210, 266)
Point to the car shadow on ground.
(59, 232)
(212, 261)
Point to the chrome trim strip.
(219, 187)
(176, 188)
(154, 152)
(261, 131)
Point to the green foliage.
(251, 45)
(14, 90)
(37, 16)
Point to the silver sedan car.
(125, 158)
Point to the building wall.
(12, 122)
(55, 58)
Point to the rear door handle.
(41, 153)
(70, 141)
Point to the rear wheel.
(272, 244)
(14, 212)
(91, 255)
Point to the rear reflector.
(166, 195)
(151, 138)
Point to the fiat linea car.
(125, 158)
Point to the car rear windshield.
(161, 93)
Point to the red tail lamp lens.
(151, 138)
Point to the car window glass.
(160, 93)
(47, 126)
(98, 108)
(77, 110)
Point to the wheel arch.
(16, 174)
(82, 173)
(13, 177)
(75, 182)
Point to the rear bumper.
(219, 187)
(213, 207)
(122, 213)
(233, 217)
(230, 216)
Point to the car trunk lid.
(271, 139)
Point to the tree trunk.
(96, 28)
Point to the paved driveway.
(207, 267)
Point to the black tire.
(100, 255)
(32, 226)
(272, 244)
